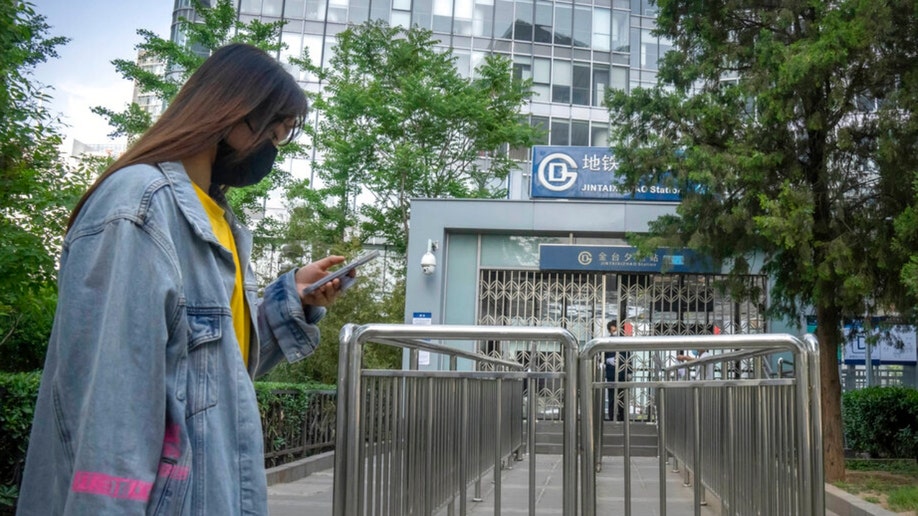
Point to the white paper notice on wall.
(424, 319)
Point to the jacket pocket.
(205, 333)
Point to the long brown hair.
(236, 83)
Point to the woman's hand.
(309, 274)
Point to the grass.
(890, 483)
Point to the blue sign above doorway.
(586, 173)
(614, 258)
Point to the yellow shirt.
(224, 235)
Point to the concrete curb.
(302, 468)
(845, 504)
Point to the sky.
(83, 76)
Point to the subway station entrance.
(642, 305)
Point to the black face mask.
(246, 172)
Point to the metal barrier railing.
(755, 443)
(411, 442)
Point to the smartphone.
(346, 281)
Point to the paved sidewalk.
(313, 495)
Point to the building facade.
(573, 51)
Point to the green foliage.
(215, 27)
(398, 121)
(290, 413)
(882, 421)
(36, 189)
(368, 301)
(18, 393)
(791, 128)
(903, 499)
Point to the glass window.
(561, 81)
(478, 59)
(379, 10)
(649, 50)
(559, 132)
(421, 12)
(599, 135)
(463, 62)
(620, 21)
(580, 132)
(272, 8)
(442, 15)
(564, 19)
(540, 123)
(503, 19)
(250, 7)
(328, 48)
(400, 19)
(359, 11)
(293, 43)
(665, 46)
(313, 44)
(404, 5)
(482, 21)
(635, 57)
(294, 46)
(583, 26)
(522, 67)
(315, 10)
(541, 79)
(337, 11)
(600, 83)
(619, 78)
(580, 92)
(462, 18)
(602, 26)
(294, 9)
(542, 30)
(522, 27)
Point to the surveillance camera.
(428, 263)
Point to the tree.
(765, 113)
(216, 26)
(397, 121)
(36, 189)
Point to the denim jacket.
(145, 405)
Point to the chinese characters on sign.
(587, 173)
(620, 259)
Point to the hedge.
(882, 421)
(18, 392)
(280, 404)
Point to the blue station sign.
(622, 258)
(586, 173)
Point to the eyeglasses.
(281, 132)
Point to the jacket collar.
(188, 202)
(190, 206)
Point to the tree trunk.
(828, 334)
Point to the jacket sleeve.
(106, 368)
(286, 328)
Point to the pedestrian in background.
(617, 369)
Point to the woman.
(146, 404)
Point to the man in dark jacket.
(617, 369)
